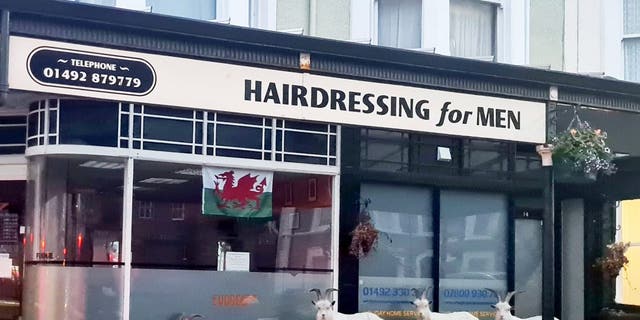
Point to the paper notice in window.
(237, 261)
(6, 265)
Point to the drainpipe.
(4, 56)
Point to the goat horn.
(415, 292)
(327, 293)
(511, 294)
(318, 293)
(495, 293)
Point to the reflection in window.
(80, 212)
(144, 209)
(473, 246)
(384, 150)
(472, 28)
(483, 157)
(400, 23)
(404, 259)
(297, 235)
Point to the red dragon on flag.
(248, 197)
(240, 195)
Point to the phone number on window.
(386, 292)
(100, 78)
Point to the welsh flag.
(236, 193)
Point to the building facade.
(122, 126)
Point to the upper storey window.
(473, 29)
(400, 23)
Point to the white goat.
(325, 303)
(503, 308)
(424, 312)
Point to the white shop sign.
(70, 69)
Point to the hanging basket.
(614, 260)
(580, 153)
(364, 238)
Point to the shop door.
(404, 256)
(528, 262)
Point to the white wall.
(361, 21)
(435, 25)
(593, 34)
(611, 49)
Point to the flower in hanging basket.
(584, 149)
(614, 260)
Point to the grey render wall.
(547, 33)
(292, 14)
(331, 18)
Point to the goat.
(324, 305)
(424, 312)
(503, 308)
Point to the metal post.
(548, 248)
(548, 240)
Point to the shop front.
(154, 208)
(221, 172)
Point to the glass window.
(400, 23)
(78, 119)
(384, 150)
(168, 129)
(74, 237)
(485, 157)
(404, 257)
(194, 9)
(472, 29)
(287, 250)
(14, 134)
(473, 249)
(239, 137)
(163, 192)
(302, 142)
